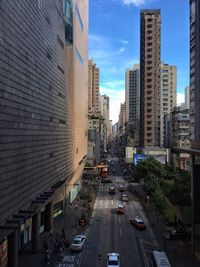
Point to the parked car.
(111, 190)
(78, 243)
(178, 233)
(113, 259)
(120, 209)
(124, 197)
(138, 223)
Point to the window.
(79, 56)
(79, 17)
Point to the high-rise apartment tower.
(93, 86)
(168, 77)
(150, 24)
(195, 70)
(132, 94)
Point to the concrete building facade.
(195, 70)
(168, 84)
(132, 94)
(93, 86)
(187, 98)
(122, 119)
(150, 25)
(37, 150)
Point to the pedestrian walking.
(66, 243)
(47, 256)
(45, 245)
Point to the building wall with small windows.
(168, 81)
(150, 28)
(35, 124)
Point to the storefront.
(74, 192)
(25, 232)
(42, 220)
(4, 253)
(58, 209)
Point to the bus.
(160, 259)
(104, 172)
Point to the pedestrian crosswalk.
(115, 184)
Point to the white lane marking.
(119, 220)
(120, 231)
(100, 202)
(112, 202)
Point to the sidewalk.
(72, 213)
(178, 251)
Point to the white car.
(113, 259)
(124, 197)
(78, 243)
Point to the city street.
(112, 232)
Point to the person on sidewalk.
(47, 256)
(66, 243)
(45, 245)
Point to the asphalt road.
(110, 232)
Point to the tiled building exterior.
(36, 148)
(150, 24)
(38, 155)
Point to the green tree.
(181, 191)
(166, 186)
(147, 167)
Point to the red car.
(120, 209)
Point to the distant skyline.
(114, 42)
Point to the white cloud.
(135, 2)
(116, 98)
(121, 50)
(115, 84)
(125, 42)
(180, 98)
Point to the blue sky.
(114, 31)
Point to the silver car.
(78, 243)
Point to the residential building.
(194, 150)
(95, 123)
(168, 130)
(180, 137)
(121, 122)
(132, 99)
(195, 118)
(37, 116)
(105, 109)
(150, 25)
(132, 94)
(187, 97)
(93, 86)
(195, 70)
(180, 128)
(168, 80)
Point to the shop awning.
(4, 233)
